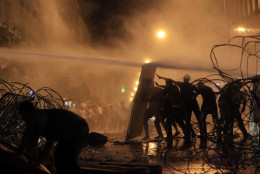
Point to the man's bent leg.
(203, 131)
(188, 122)
(216, 122)
(145, 123)
(240, 123)
(158, 127)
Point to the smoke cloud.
(72, 57)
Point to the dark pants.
(158, 114)
(232, 114)
(205, 110)
(223, 116)
(189, 107)
(175, 115)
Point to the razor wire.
(239, 156)
(216, 157)
(13, 93)
(242, 155)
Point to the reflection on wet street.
(197, 156)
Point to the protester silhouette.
(69, 130)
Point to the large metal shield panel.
(135, 126)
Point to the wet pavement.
(198, 156)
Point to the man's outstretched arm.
(164, 78)
(172, 81)
(157, 84)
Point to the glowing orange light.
(137, 83)
(152, 145)
(135, 88)
(147, 61)
(241, 29)
(161, 34)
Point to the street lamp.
(147, 61)
(241, 29)
(161, 34)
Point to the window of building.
(254, 5)
(248, 7)
(244, 9)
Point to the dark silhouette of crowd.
(175, 101)
(104, 118)
(170, 104)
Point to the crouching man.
(56, 125)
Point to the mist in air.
(90, 50)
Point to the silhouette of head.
(186, 78)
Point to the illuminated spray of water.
(102, 60)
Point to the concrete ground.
(215, 157)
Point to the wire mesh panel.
(12, 94)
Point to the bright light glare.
(241, 29)
(135, 88)
(152, 145)
(137, 83)
(153, 118)
(161, 34)
(147, 61)
(131, 99)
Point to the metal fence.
(12, 93)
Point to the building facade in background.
(42, 22)
(243, 17)
(24, 15)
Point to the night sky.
(105, 18)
